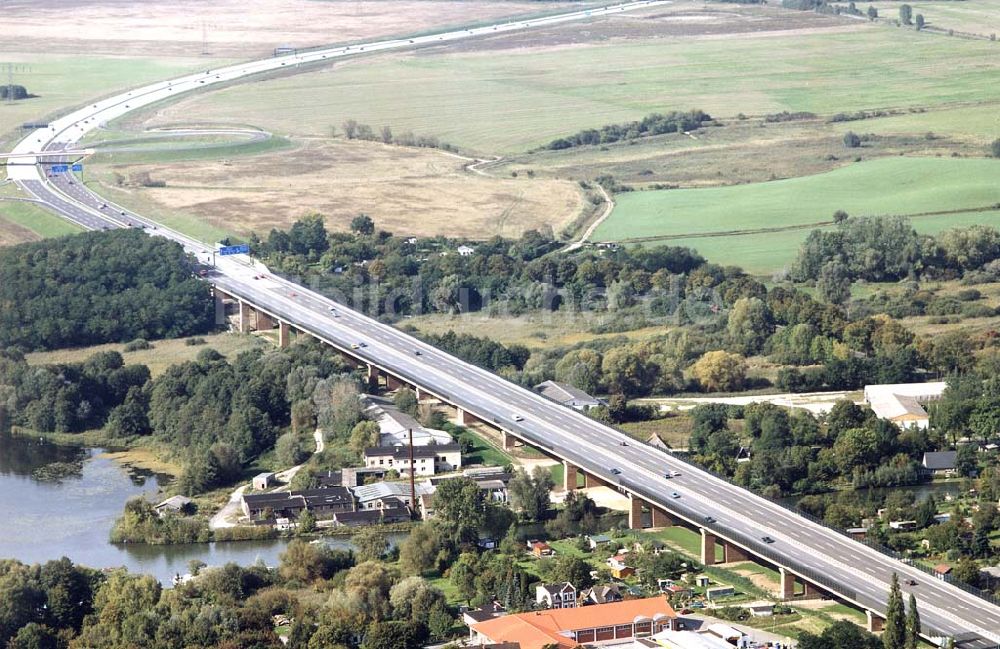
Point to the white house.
(465, 251)
(427, 460)
(556, 595)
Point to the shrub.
(852, 140)
(136, 345)
(194, 342)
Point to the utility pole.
(11, 69)
(413, 483)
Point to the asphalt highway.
(840, 565)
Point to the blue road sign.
(77, 167)
(242, 249)
(58, 169)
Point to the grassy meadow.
(513, 100)
(761, 225)
(61, 82)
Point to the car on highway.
(616, 471)
(418, 352)
(767, 539)
(362, 344)
(674, 474)
(911, 582)
(709, 519)
(517, 417)
(674, 494)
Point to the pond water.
(44, 520)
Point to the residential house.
(174, 504)
(654, 546)
(902, 403)
(556, 595)
(566, 628)
(619, 568)
(671, 587)
(483, 613)
(465, 251)
(540, 549)
(656, 441)
(427, 460)
(599, 594)
(262, 481)
(598, 540)
(942, 570)
(567, 395)
(940, 462)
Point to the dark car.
(767, 539)
(709, 519)
(616, 471)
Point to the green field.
(510, 100)
(63, 82)
(909, 186)
(975, 17)
(34, 218)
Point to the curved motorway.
(846, 568)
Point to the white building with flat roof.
(395, 425)
(903, 403)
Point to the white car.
(517, 417)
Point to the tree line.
(652, 124)
(99, 287)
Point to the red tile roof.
(536, 629)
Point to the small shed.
(262, 481)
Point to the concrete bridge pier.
(787, 584)
(569, 476)
(707, 547)
(635, 512)
(392, 383)
(661, 518)
(373, 375)
(733, 553)
(875, 622)
(284, 334)
(264, 321)
(507, 440)
(220, 307)
(245, 312)
(463, 418)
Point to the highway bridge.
(813, 560)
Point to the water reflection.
(47, 520)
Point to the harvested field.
(405, 190)
(224, 28)
(12, 233)
(682, 19)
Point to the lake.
(46, 520)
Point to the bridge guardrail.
(878, 547)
